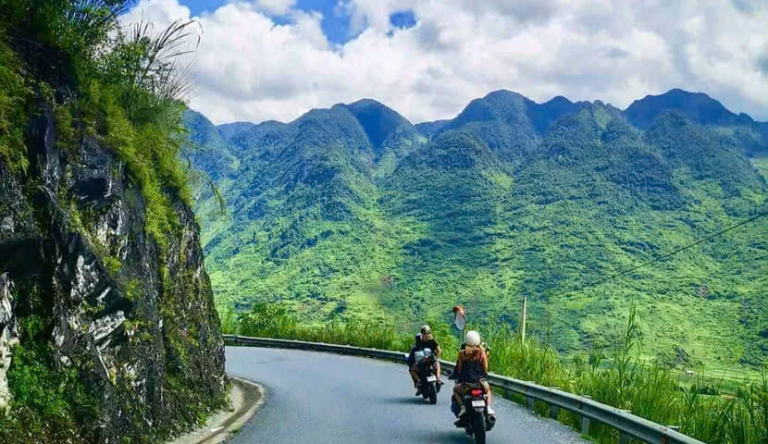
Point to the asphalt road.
(316, 397)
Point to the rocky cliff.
(106, 334)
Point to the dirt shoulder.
(247, 397)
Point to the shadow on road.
(403, 400)
(455, 436)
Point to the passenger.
(423, 340)
(472, 369)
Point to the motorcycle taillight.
(476, 393)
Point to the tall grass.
(614, 377)
(275, 321)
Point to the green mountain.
(229, 131)
(429, 129)
(303, 203)
(352, 211)
(700, 108)
(210, 151)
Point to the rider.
(472, 369)
(423, 340)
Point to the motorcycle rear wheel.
(478, 427)
(432, 393)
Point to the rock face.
(9, 335)
(135, 320)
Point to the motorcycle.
(477, 421)
(426, 362)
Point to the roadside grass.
(276, 321)
(616, 377)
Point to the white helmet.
(472, 338)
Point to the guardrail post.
(584, 425)
(235, 339)
(554, 411)
(585, 420)
(623, 437)
(529, 400)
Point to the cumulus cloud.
(251, 66)
(276, 7)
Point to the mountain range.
(353, 211)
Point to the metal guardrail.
(628, 425)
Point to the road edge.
(247, 399)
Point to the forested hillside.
(354, 212)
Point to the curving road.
(314, 397)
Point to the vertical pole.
(624, 439)
(584, 425)
(554, 411)
(525, 318)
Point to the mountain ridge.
(674, 99)
(357, 213)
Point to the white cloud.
(250, 68)
(276, 7)
(159, 12)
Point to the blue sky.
(199, 6)
(335, 23)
